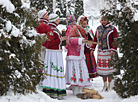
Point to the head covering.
(82, 30)
(79, 28)
(53, 17)
(71, 20)
(104, 18)
(81, 19)
(42, 13)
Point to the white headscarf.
(42, 13)
(53, 17)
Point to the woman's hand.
(84, 41)
(91, 52)
(112, 53)
(89, 44)
(63, 38)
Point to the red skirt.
(91, 65)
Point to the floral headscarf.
(79, 28)
(74, 32)
(81, 19)
(71, 20)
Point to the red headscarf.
(81, 19)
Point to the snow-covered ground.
(42, 97)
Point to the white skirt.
(103, 66)
(77, 73)
(43, 52)
(54, 71)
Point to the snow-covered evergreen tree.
(79, 10)
(38, 4)
(49, 6)
(19, 48)
(43, 4)
(61, 5)
(70, 7)
(123, 14)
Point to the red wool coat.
(110, 37)
(43, 27)
(54, 41)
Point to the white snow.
(9, 6)
(25, 3)
(15, 32)
(97, 84)
(8, 26)
(11, 55)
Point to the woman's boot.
(109, 86)
(105, 86)
(70, 87)
(76, 90)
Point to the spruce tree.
(79, 10)
(38, 4)
(19, 49)
(43, 4)
(122, 14)
(61, 4)
(49, 6)
(70, 7)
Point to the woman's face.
(57, 21)
(46, 17)
(84, 24)
(104, 22)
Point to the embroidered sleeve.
(54, 40)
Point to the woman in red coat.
(54, 83)
(105, 34)
(43, 19)
(90, 58)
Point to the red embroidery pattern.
(104, 55)
(88, 79)
(103, 63)
(105, 69)
(81, 80)
(74, 32)
(74, 74)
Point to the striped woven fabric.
(91, 65)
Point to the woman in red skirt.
(90, 59)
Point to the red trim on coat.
(105, 69)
